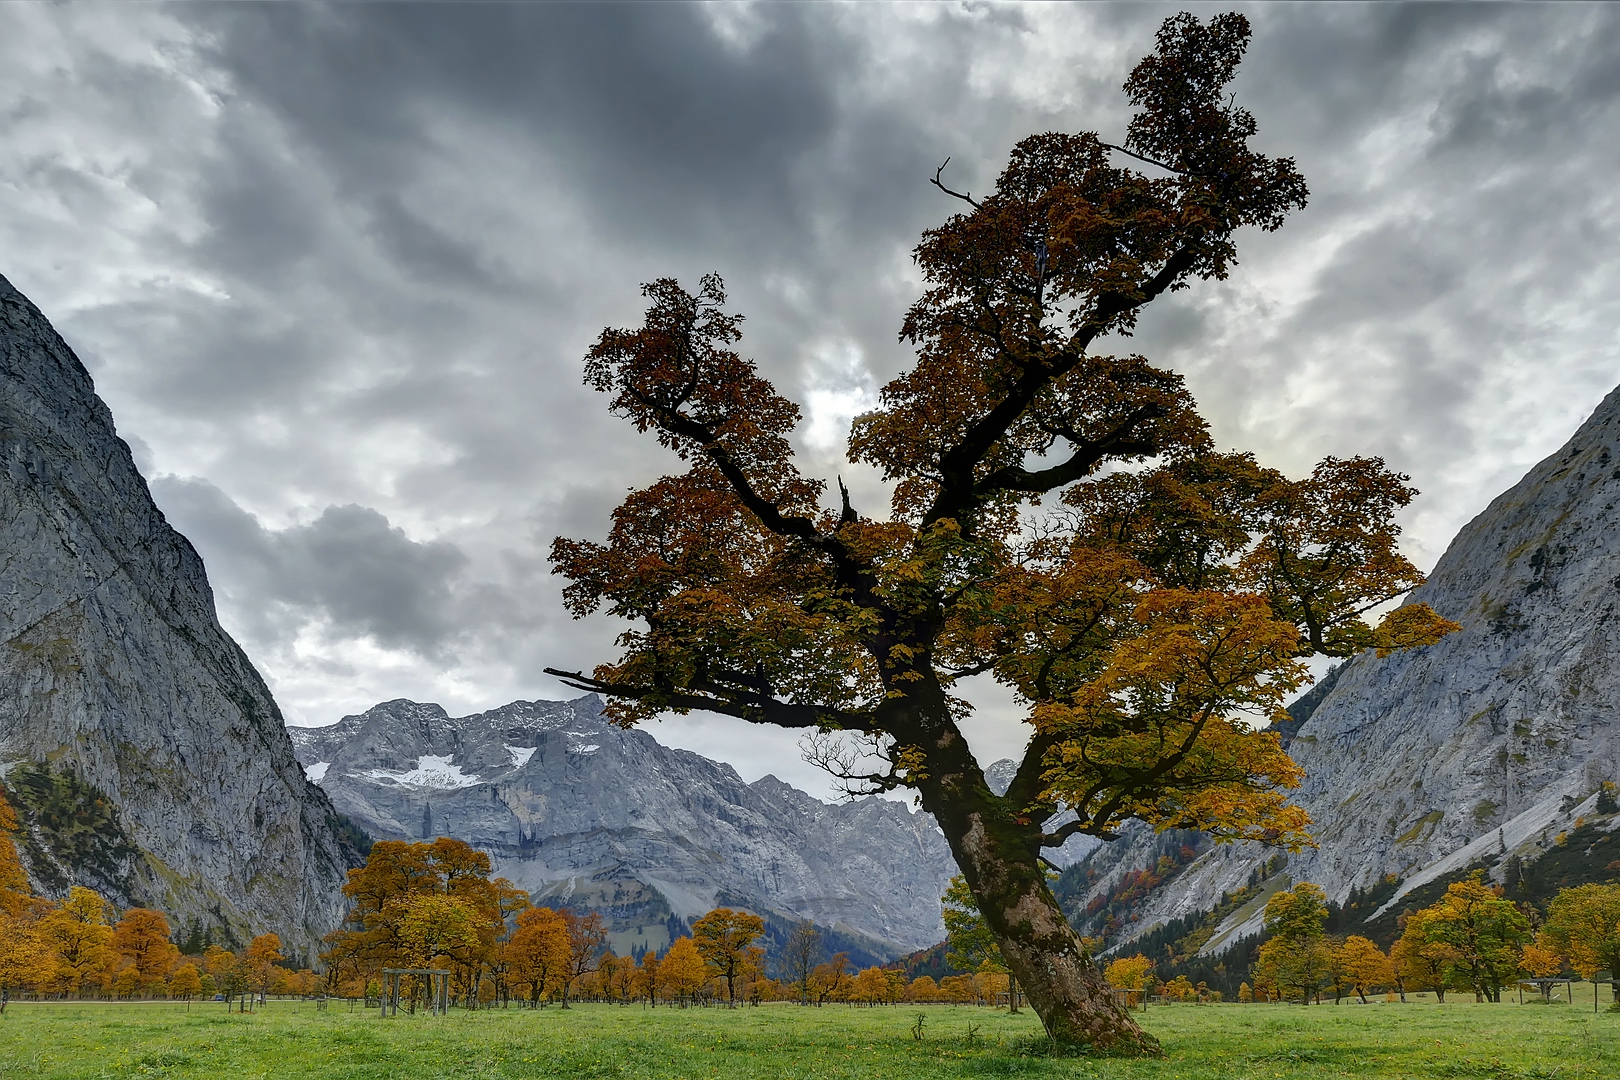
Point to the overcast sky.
(334, 270)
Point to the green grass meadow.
(293, 1040)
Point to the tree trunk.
(999, 856)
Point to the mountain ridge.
(1477, 749)
(572, 807)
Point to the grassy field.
(292, 1040)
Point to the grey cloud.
(350, 256)
(349, 566)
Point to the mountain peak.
(578, 810)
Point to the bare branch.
(829, 751)
(964, 196)
(1148, 160)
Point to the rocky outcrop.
(577, 810)
(1484, 745)
(121, 696)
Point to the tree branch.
(1060, 836)
(1079, 465)
(1026, 782)
(840, 760)
(974, 669)
(964, 196)
(1148, 160)
(752, 707)
(956, 492)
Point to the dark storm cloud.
(335, 266)
(642, 105)
(349, 568)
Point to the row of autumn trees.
(434, 905)
(81, 947)
(1472, 940)
(431, 905)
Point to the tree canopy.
(1060, 520)
(725, 938)
(1583, 924)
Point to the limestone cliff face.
(575, 809)
(1486, 743)
(116, 677)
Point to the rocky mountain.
(581, 812)
(1478, 750)
(143, 751)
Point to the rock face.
(1484, 744)
(575, 809)
(124, 707)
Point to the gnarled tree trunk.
(999, 856)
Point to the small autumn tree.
(587, 942)
(1132, 973)
(1364, 965)
(683, 970)
(79, 934)
(614, 975)
(1059, 519)
(800, 955)
(537, 954)
(141, 939)
(1542, 960)
(185, 982)
(722, 938)
(649, 977)
(829, 980)
(1583, 924)
(510, 902)
(225, 968)
(259, 961)
(1420, 959)
(1297, 956)
(25, 957)
(394, 882)
(1483, 934)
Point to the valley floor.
(292, 1040)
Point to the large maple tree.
(1060, 521)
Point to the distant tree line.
(434, 905)
(1472, 940)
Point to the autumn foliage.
(1059, 519)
